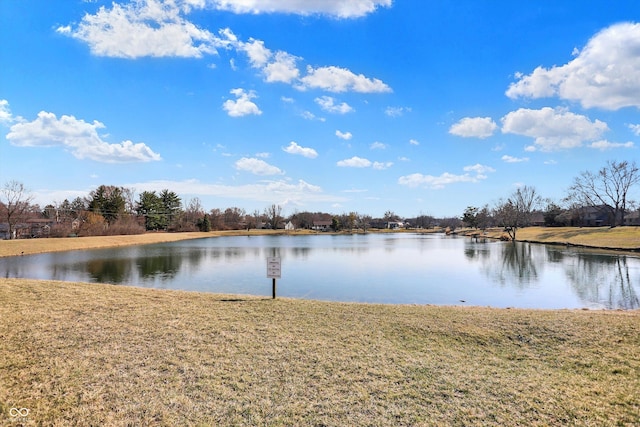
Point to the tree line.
(594, 198)
(115, 210)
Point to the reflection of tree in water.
(164, 265)
(477, 249)
(605, 280)
(515, 265)
(110, 270)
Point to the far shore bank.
(604, 238)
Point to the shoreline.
(619, 239)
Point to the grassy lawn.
(90, 354)
(599, 237)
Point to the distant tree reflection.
(516, 264)
(603, 280)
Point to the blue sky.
(410, 106)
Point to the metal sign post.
(274, 271)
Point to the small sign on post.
(274, 271)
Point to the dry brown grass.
(89, 354)
(623, 238)
(36, 246)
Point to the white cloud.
(328, 104)
(382, 165)
(80, 137)
(605, 74)
(414, 142)
(377, 146)
(294, 148)
(243, 105)
(480, 170)
(258, 54)
(635, 129)
(308, 115)
(344, 135)
(335, 8)
(257, 167)
(266, 191)
(553, 129)
(474, 127)
(336, 79)
(355, 162)
(510, 159)
(143, 28)
(283, 69)
(396, 111)
(604, 145)
(359, 162)
(438, 182)
(6, 117)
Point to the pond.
(397, 268)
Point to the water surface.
(381, 268)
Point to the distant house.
(321, 225)
(537, 219)
(289, 226)
(394, 225)
(39, 227)
(4, 231)
(632, 218)
(595, 216)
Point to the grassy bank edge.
(605, 238)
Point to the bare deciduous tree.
(515, 212)
(273, 214)
(16, 200)
(608, 187)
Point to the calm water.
(382, 268)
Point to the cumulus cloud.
(258, 54)
(294, 148)
(604, 145)
(79, 137)
(510, 159)
(328, 104)
(344, 135)
(336, 79)
(473, 173)
(158, 28)
(553, 129)
(257, 167)
(355, 162)
(635, 129)
(359, 162)
(474, 127)
(6, 117)
(334, 8)
(282, 69)
(143, 28)
(242, 105)
(381, 165)
(279, 67)
(414, 142)
(396, 111)
(265, 191)
(605, 74)
(377, 146)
